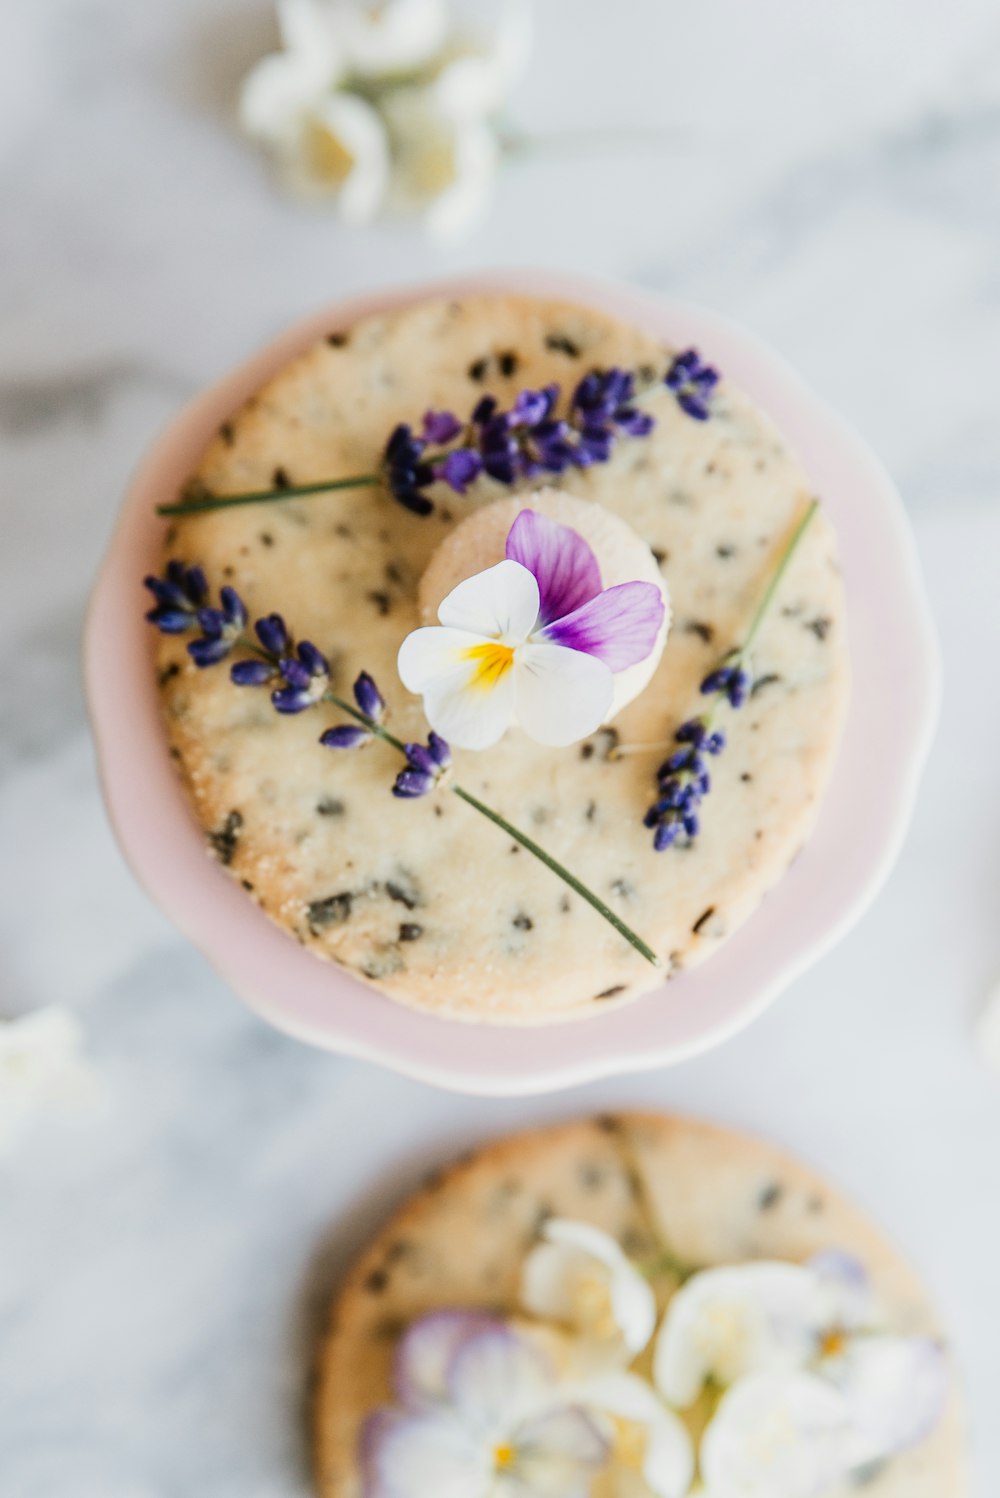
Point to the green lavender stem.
(536, 849)
(200, 504)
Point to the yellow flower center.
(833, 1344)
(504, 1457)
(493, 661)
(329, 158)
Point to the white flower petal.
(560, 695)
(395, 36)
(434, 1454)
(342, 151)
(476, 84)
(40, 1065)
(500, 603)
(580, 1276)
(653, 1455)
(844, 1300)
(777, 1435)
(314, 30)
(469, 716)
(275, 95)
(443, 167)
(558, 1453)
(497, 1380)
(433, 652)
(729, 1322)
(895, 1387)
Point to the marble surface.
(829, 176)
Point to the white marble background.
(832, 181)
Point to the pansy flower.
(534, 641)
(479, 1415)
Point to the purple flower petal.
(459, 469)
(425, 1352)
(441, 426)
(563, 565)
(619, 626)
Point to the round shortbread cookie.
(425, 899)
(713, 1196)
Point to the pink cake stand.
(865, 815)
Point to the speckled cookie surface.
(424, 899)
(713, 1196)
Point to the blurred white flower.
(40, 1066)
(651, 1452)
(326, 142)
(388, 106)
(580, 1278)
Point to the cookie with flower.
(537, 642)
(619, 1373)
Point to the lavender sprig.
(299, 678)
(683, 780)
(509, 446)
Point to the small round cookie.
(714, 1196)
(425, 899)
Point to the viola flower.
(480, 1414)
(533, 640)
(693, 383)
(652, 1455)
(814, 1390)
(579, 1277)
(426, 766)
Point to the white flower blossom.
(579, 1277)
(40, 1066)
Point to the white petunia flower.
(579, 1277)
(40, 1065)
(327, 142)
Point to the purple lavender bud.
(368, 697)
(273, 635)
(292, 699)
(715, 681)
(534, 406)
(212, 622)
(693, 405)
(460, 468)
(345, 736)
(252, 673)
(170, 621)
(314, 660)
(441, 426)
(691, 732)
(233, 608)
(634, 423)
(690, 824)
(716, 742)
(421, 759)
(440, 750)
(412, 783)
(411, 499)
(652, 817)
(484, 410)
(296, 674)
(666, 833)
(208, 652)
